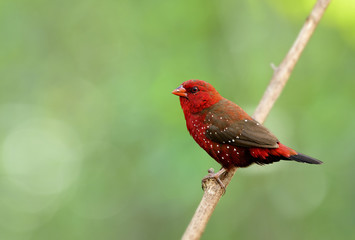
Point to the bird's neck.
(195, 107)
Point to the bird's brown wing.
(242, 133)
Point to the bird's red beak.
(180, 91)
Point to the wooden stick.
(212, 190)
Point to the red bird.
(227, 133)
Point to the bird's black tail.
(304, 158)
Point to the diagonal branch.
(212, 190)
(283, 72)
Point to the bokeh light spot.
(41, 156)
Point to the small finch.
(227, 133)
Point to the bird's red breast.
(226, 132)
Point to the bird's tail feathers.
(299, 157)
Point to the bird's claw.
(216, 176)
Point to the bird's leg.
(216, 176)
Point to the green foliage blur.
(94, 145)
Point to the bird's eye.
(194, 89)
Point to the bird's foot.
(216, 176)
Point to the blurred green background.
(94, 145)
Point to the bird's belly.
(227, 155)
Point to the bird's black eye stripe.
(194, 89)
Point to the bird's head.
(196, 95)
